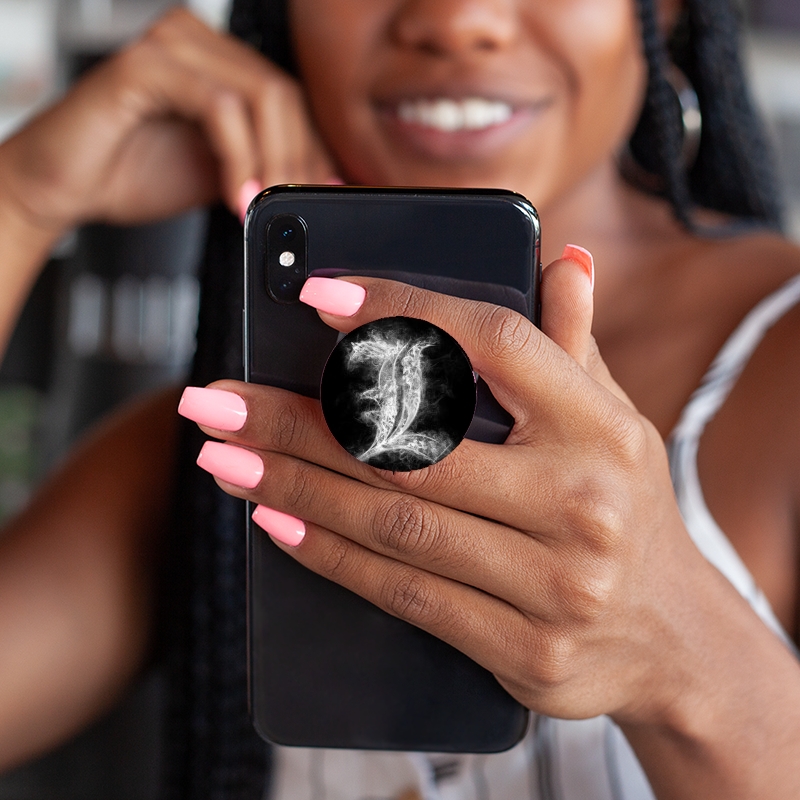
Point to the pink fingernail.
(216, 408)
(580, 255)
(334, 296)
(250, 188)
(283, 527)
(232, 464)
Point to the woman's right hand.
(179, 118)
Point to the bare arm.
(77, 573)
(180, 118)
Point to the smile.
(449, 116)
(462, 128)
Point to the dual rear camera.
(287, 245)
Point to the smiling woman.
(624, 564)
(543, 99)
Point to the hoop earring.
(691, 120)
(691, 117)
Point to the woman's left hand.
(557, 560)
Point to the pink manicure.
(232, 464)
(225, 411)
(341, 298)
(250, 188)
(283, 527)
(581, 256)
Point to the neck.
(631, 235)
(608, 217)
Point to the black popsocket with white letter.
(398, 393)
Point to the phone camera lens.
(286, 256)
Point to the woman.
(581, 583)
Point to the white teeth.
(444, 114)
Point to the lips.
(460, 119)
(458, 128)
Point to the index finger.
(523, 368)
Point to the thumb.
(567, 310)
(568, 304)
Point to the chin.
(467, 173)
(393, 166)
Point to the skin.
(575, 75)
(77, 581)
(577, 584)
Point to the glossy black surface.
(327, 668)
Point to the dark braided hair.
(733, 172)
(212, 750)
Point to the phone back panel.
(327, 668)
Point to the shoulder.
(749, 458)
(764, 270)
(751, 260)
(732, 275)
(761, 252)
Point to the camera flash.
(286, 258)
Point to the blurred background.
(114, 314)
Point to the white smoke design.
(396, 397)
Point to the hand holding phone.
(547, 559)
(349, 674)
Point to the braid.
(656, 143)
(732, 173)
(265, 25)
(212, 751)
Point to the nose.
(450, 27)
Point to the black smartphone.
(327, 668)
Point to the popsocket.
(398, 393)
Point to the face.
(530, 95)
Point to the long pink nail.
(334, 296)
(250, 188)
(283, 527)
(232, 464)
(581, 256)
(216, 408)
